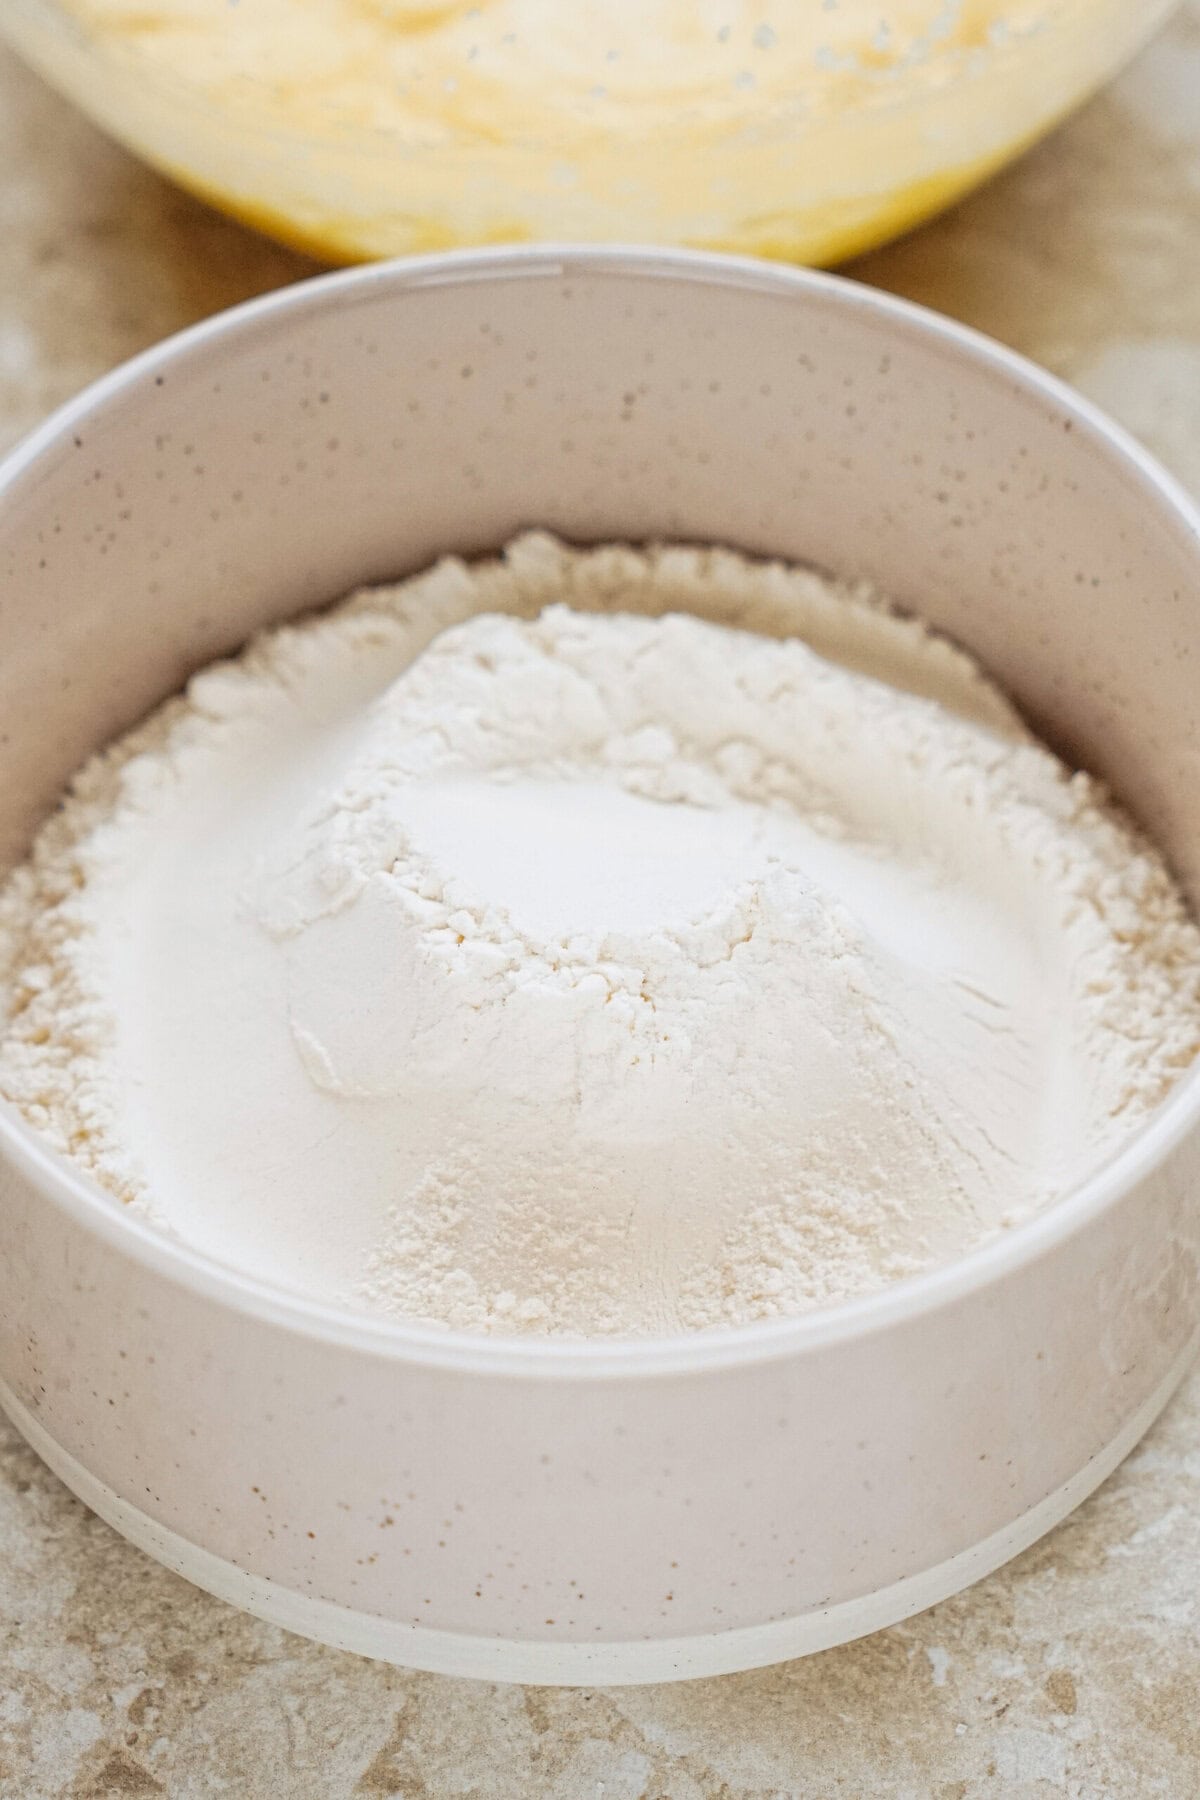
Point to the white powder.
(581, 969)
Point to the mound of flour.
(591, 942)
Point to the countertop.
(1075, 1670)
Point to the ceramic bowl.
(603, 1511)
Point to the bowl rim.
(683, 1353)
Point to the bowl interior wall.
(270, 467)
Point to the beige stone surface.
(1076, 1670)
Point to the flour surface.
(592, 942)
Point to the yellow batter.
(801, 128)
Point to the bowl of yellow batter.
(805, 130)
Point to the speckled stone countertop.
(1074, 1671)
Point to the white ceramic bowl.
(606, 1512)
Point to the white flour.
(586, 970)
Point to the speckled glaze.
(597, 1512)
